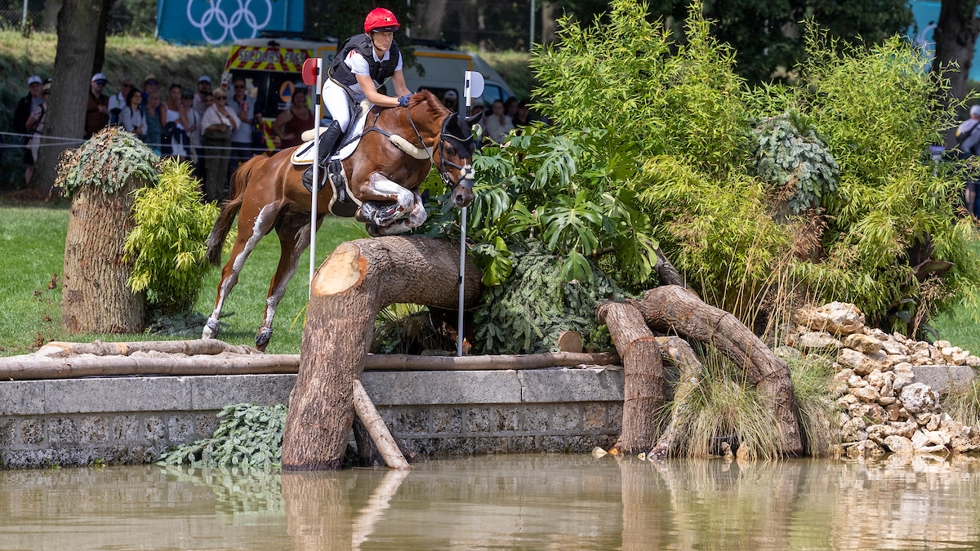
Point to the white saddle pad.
(305, 154)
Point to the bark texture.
(95, 297)
(673, 309)
(358, 279)
(78, 21)
(956, 39)
(643, 389)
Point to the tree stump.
(95, 297)
(359, 279)
(643, 389)
(674, 309)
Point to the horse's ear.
(473, 118)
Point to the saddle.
(342, 201)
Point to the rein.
(424, 152)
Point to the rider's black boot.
(328, 141)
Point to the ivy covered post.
(100, 177)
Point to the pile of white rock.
(884, 408)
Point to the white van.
(272, 68)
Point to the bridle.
(445, 136)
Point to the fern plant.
(248, 436)
(169, 239)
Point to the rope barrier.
(53, 141)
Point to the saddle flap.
(304, 154)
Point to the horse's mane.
(435, 107)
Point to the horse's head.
(453, 145)
(454, 154)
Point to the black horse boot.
(328, 141)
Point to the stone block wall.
(129, 420)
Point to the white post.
(316, 168)
(23, 19)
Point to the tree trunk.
(674, 309)
(431, 18)
(355, 282)
(99, 60)
(95, 297)
(77, 22)
(549, 22)
(689, 368)
(643, 392)
(956, 38)
(49, 22)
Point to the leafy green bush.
(169, 240)
(248, 436)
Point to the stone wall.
(128, 420)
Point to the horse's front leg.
(415, 219)
(294, 238)
(382, 189)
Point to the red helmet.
(380, 20)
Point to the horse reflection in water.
(398, 148)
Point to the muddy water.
(558, 502)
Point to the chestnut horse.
(398, 148)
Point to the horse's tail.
(229, 209)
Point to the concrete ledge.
(134, 419)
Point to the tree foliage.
(662, 144)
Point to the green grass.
(959, 329)
(32, 241)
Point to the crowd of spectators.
(213, 130)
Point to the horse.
(398, 147)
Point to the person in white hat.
(200, 98)
(97, 111)
(25, 106)
(451, 100)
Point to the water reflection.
(503, 502)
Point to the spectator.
(292, 122)
(523, 117)
(203, 89)
(36, 122)
(241, 140)
(175, 139)
(193, 127)
(97, 112)
(25, 107)
(498, 124)
(150, 85)
(968, 138)
(450, 100)
(118, 100)
(477, 108)
(132, 117)
(511, 106)
(219, 124)
(154, 129)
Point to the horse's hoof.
(360, 216)
(262, 338)
(211, 329)
(373, 229)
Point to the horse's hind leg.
(294, 238)
(251, 228)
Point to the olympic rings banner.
(218, 22)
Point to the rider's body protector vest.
(380, 71)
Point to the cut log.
(643, 389)
(56, 366)
(376, 427)
(56, 349)
(673, 309)
(359, 279)
(678, 352)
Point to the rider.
(363, 63)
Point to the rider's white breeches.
(337, 101)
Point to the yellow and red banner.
(263, 58)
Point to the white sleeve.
(358, 65)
